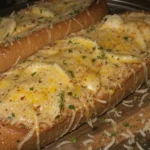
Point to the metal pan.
(120, 6)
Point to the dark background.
(115, 6)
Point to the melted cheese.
(71, 74)
(37, 16)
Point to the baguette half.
(20, 48)
(88, 74)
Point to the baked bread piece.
(80, 77)
(30, 29)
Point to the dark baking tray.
(115, 6)
(120, 6)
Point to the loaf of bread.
(25, 32)
(77, 78)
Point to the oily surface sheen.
(37, 16)
(75, 72)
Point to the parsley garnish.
(11, 116)
(33, 74)
(70, 50)
(71, 73)
(71, 107)
(126, 124)
(83, 57)
(69, 42)
(76, 11)
(61, 95)
(93, 60)
(126, 38)
(31, 88)
(113, 134)
(74, 140)
(101, 56)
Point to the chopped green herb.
(116, 65)
(33, 74)
(23, 126)
(93, 60)
(7, 35)
(90, 29)
(61, 95)
(113, 134)
(108, 50)
(76, 11)
(83, 57)
(71, 107)
(71, 73)
(75, 96)
(74, 140)
(94, 48)
(126, 124)
(16, 76)
(70, 50)
(101, 48)
(64, 62)
(41, 10)
(101, 56)
(126, 38)
(69, 42)
(13, 115)
(58, 116)
(17, 38)
(31, 88)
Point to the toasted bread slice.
(25, 32)
(80, 77)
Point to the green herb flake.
(76, 11)
(90, 29)
(93, 60)
(70, 50)
(71, 73)
(64, 62)
(69, 42)
(13, 115)
(61, 101)
(57, 117)
(126, 38)
(113, 134)
(7, 35)
(74, 140)
(108, 50)
(101, 48)
(94, 48)
(83, 57)
(126, 124)
(33, 74)
(16, 76)
(101, 56)
(41, 10)
(31, 88)
(116, 65)
(71, 107)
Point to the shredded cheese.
(110, 144)
(86, 142)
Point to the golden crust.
(24, 47)
(11, 135)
